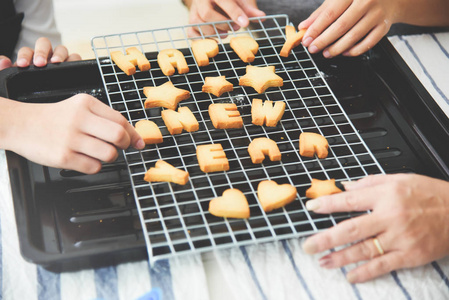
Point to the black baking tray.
(69, 221)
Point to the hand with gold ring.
(408, 225)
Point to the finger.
(102, 110)
(376, 267)
(60, 54)
(234, 11)
(82, 163)
(5, 62)
(361, 251)
(42, 52)
(208, 30)
(252, 11)
(24, 57)
(74, 57)
(95, 148)
(370, 181)
(345, 232)
(369, 42)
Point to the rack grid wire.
(175, 218)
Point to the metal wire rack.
(175, 219)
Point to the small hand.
(409, 219)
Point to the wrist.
(10, 114)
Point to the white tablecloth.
(268, 271)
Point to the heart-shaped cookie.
(232, 204)
(272, 195)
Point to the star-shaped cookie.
(217, 85)
(261, 78)
(166, 95)
(320, 188)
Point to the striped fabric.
(277, 270)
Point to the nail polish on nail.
(313, 204)
(313, 49)
(309, 247)
(351, 277)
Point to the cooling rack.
(175, 218)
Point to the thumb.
(5, 62)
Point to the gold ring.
(378, 246)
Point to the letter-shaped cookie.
(149, 132)
(260, 147)
(266, 112)
(212, 158)
(225, 116)
(272, 195)
(177, 121)
(127, 63)
(169, 59)
(165, 172)
(245, 47)
(232, 204)
(165, 95)
(217, 85)
(203, 50)
(293, 39)
(261, 78)
(311, 143)
(321, 188)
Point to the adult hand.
(204, 11)
(77, 133)
(42, 54)
(351, 27)
(409, 219)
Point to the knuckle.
(110, 154)
(119, 136)
(93, 168)
(352, 229)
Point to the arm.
(203, 11)
(76, 134)
(352, 27)
(410, 221)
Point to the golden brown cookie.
(293, 39)
(165, 95)
(272, 195)
(261, 78)
(182, 119)
(260, 147)
(245, 47)
(212, 158)
(320, 188)
(311, 143)
(267, 113)
(149, 132)
(225, 116)
(165, 172)
(169, 59)
(217, 85)
(127, 63)
(203, 50)
(232, 204)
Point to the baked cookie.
(272, 195)
(212, 158)
(320, 188)
(203, 50)
(245, 47)
(165, 95)
(217, 85)
(311, 143)
(260, 147)
(232, 204)
(293, 39)
(149, 132)
(264, 112)
(127, 63)
(165, 172)
(182, 119)
(261, 78)
(225, 116)
(169, 59)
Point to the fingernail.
(327, 54)
(56, 59)
(348, 184)
(313, 204)
(346, 53)
(326, 262)
(22, 62)
(242, 21)
(313, 49)
(351, 277)
(307, 41)
(310, 247)
(140, 144)
(40, 61)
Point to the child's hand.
(42, 54)
(204, 11)
(77, 133)
(351, 27)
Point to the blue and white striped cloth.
(268, 271)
